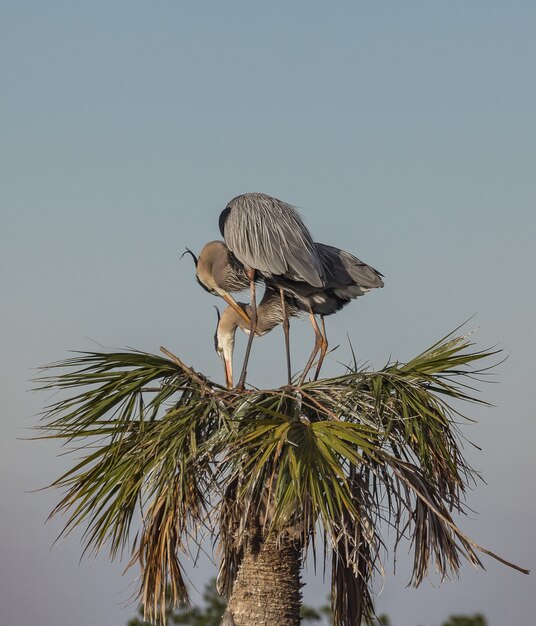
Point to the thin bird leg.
(286, 330)
(252, 329)
(323, 348)
(318, 344)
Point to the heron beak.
(232, 303)
(228, 365)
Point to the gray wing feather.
(343, 269)
(363, 274)
(268, 235)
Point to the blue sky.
(404, 132)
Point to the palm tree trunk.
(267, 589)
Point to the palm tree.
(266, 474)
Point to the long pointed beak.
(232, 303)
(228, 365)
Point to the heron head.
(224, 340)
(196, 262)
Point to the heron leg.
(286, 330)
(317, 347)
(323, 348)
(252, 329)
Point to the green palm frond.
(345, 455)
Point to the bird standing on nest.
(265, 239)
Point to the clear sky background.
(406, 134)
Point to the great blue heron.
(270, 313)
(269, 238)
(346, 278)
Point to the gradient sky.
(404, 131)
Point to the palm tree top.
(343, 457)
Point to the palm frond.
(354, 559)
